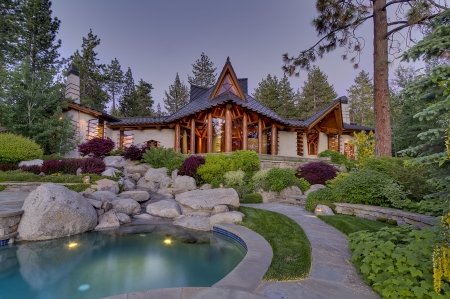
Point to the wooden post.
(210, 134)
(260, 140)
(274, 140)
(177, 137)
(228, 129)
(245, 133)
(192, 136)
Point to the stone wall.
(285, 162)
(9, 222)
(374, 212)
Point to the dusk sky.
(157, 39)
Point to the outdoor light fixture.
(72, 245)
(167, 241)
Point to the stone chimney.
(73, 84)
(345, 110)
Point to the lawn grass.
(291, 248)
(3, 187)
(350, 224)
(23, 176)
(77, 187)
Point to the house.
(223, 118)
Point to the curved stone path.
(332, 275)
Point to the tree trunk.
(381, 81)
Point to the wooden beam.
(177, 136)
(210, 133)
(274, 140)
(228, 128)
(260, 141)
(245, 133)
(193, 136)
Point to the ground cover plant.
(16, 148)
(70, 166)
(337, 158)
(291, 249)
(78, 187)
(135, 152)
(397, 262)
(316, 172)
(351, 224)
(320, 197)
(3, 187)
(22, 176)
(280, 178)
(252, 198)
(163, 157)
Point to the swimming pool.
(101, 264)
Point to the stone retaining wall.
(374, 212)
(265, 164)
(9, 222)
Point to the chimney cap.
(344, 100)
(73, 70)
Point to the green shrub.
(3, 176)
(260, 180)
(280, 178)
(234, 178)
(23, 176)
(395, 193)
(16, 148)
(247, 161)
(3, 187)
(252, 198)
(215, 167)
(361, 187)
(301, 183)
(163, 157)
(413, 177)
(337, 158)
(242, 191)
(320, 197)
(431, 207)
(397, 262)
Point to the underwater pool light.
(72, 245)
(167, 241)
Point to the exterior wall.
(323, 142)
(287, 144)
(345, 139)
(73, 88)
(166, 137)
(82, 120)
(114, 135)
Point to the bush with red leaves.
(70, 166)
(190, 166)
(36, 169)
(135, 152)
(93, 165)
(8, 167)
(316, 172)
(52, 166)
(96, 147)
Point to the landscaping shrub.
(215, 167)
(337, 158)
(280, 178)
(16, 148)
(316, 172)
(96, 147)
(260, 180)
(93, 165)
(242, 191)
(320, 197)
(252, 198)
(3, 176)
(163, 157)
(36, 169)
(135, 152)
(431, 207)
(22, 176)
(8, 167)
(302, 184)
(397, 262)
(117, 152)
(247, 161)
(190, 166)
(71, 166)
(234, 178)
(53, 166)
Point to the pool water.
(101, 264)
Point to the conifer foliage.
(203, 71)
(177, 97)
(114, 82)
(360, 97)
(136, 99)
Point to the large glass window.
(313, 143)
(333, 142)
(218, 135)
(253, 144)
(95, 129)
(227, 86)
(300, 143)
(126, 138)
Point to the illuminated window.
(333, 142)
(300, 143)
(349, 151)
(227, 86)
(96, 129)
(126, 138)
(313, 143)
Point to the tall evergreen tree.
(139, 102)
(92, 78)
(114, 82)
(177, 97)
(159, 112)
(204, 72)
(360, 97)
(316, 93)
(10, 31)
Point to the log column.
(245, 133)
(177, 137)
(193, 136)
(260, 140)
(210, 134)
(228, 129)
(274, 140)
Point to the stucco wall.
(287, 144)
(166, 137)
(82, 120)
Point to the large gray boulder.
(207, 199)
(156, 175)
(132, 169)
(197, 223)
(107, 185)
(128, 185)
(185, 183)
(52, 211)
(101, 195)
(138, 196)
(227, 217)
(164, 208)
(123, 218)
(148, 185)
(111, 171)
(37, 162)
(314, 188)
(323, 210)
(108, 220)
(114, 161)
(127, 206)
(293, 190)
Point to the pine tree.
(316, 93)
(10, 30)
(360, 97)
(203, 70)
(159, 112)
(115, 82)
(92, 78)
(143, 100)
(127, 92)
(177, 97)
(286, 97)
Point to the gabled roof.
(90, 111)
(130, 121)
(228, 78)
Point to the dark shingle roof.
(106, 116)
(128, 121)
(196, 91)
(357, 127)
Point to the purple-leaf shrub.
(53, 166)
(96, 147)
(71, 165)
(93, 165)
(36, 169)
(135, 152)
(190, 165)
(316, 172)
(8, 167)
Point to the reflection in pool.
(101, 264)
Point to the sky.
(158, 38)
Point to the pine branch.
(410, 24)
(395, 2)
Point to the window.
(300, 143)
(313, 143)
(126, 138)
(96, 129)
(349, 151)
(333, 142)
(227, 86)
(153, 143)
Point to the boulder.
(138, 196)
(123, 218)
(108, 220)
(101, 195)
(156, 175)
(37, 162)
(205, 187)
(207, 199)
(314, 188)
(127, 206)
(106, 205)
(128, 185)
(184, 182)
(197, 223)
(100, 212)
(133, 169)
(220, 209)
(323, 210)
(228, 218)
(174, 174)
(53, 211)
(166, 191)
(268, 196)
(95, 203)
(158, 196)
(136, 176)
(110, 171)
(165, 183)
(107, 185)
(149, 185)
(163, 208)
(144, 217)
(197, 213)
(114, 161)
(293, 190)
